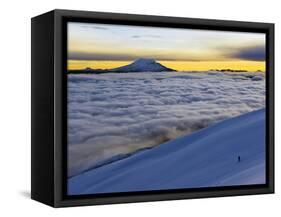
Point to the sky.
(106, 46)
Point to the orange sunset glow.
(103, 46)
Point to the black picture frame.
(49, 104)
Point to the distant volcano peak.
(145, 60)
(143, 65)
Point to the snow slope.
(142, 65)
(208, 157)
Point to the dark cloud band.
(256, 53)
(131, 57)
(253, 53)
(97, 56)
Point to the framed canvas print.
(131, 108)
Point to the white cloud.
(111, 114)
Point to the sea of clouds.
(110, 115)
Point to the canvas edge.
(59, 200)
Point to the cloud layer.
(115, 114)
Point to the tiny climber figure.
(239, 158)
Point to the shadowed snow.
(206, 158)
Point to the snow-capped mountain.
(142, 65)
